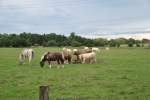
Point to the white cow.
(75, 50)
(107, 48)
(67, 49)
(88, 57)
(86, 48)
(94, 49)
(67, 54)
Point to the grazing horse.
(52, 56)
(26, 54)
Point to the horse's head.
(41, 63)
(43, 59)
(21, 59)
(20, 62)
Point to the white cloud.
(101, 18)
(148, 29)
(137, 36)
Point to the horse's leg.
(66, 60)
(94, 60)
(58, 64)
(50, 66)
(62, 63)
(23, 59)
(30, 59)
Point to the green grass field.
(120, 74)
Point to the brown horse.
(52, 56)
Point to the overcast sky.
(106, 18)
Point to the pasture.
(119, 74)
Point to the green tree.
(75, 43)
(112, 43)
(100, 42)
(131, 42)
(52, 43)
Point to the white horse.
(26, 54)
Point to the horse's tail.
(33, 54)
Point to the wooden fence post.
(43, 95)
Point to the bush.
(137, 45)
(118, 45)
(112, 44)
(45, 44)
(130, 44)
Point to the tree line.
(52, 39)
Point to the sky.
(88, 18)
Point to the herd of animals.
(85, 55)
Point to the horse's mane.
(33, 54)
(44, 55)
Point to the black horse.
(53, 56)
